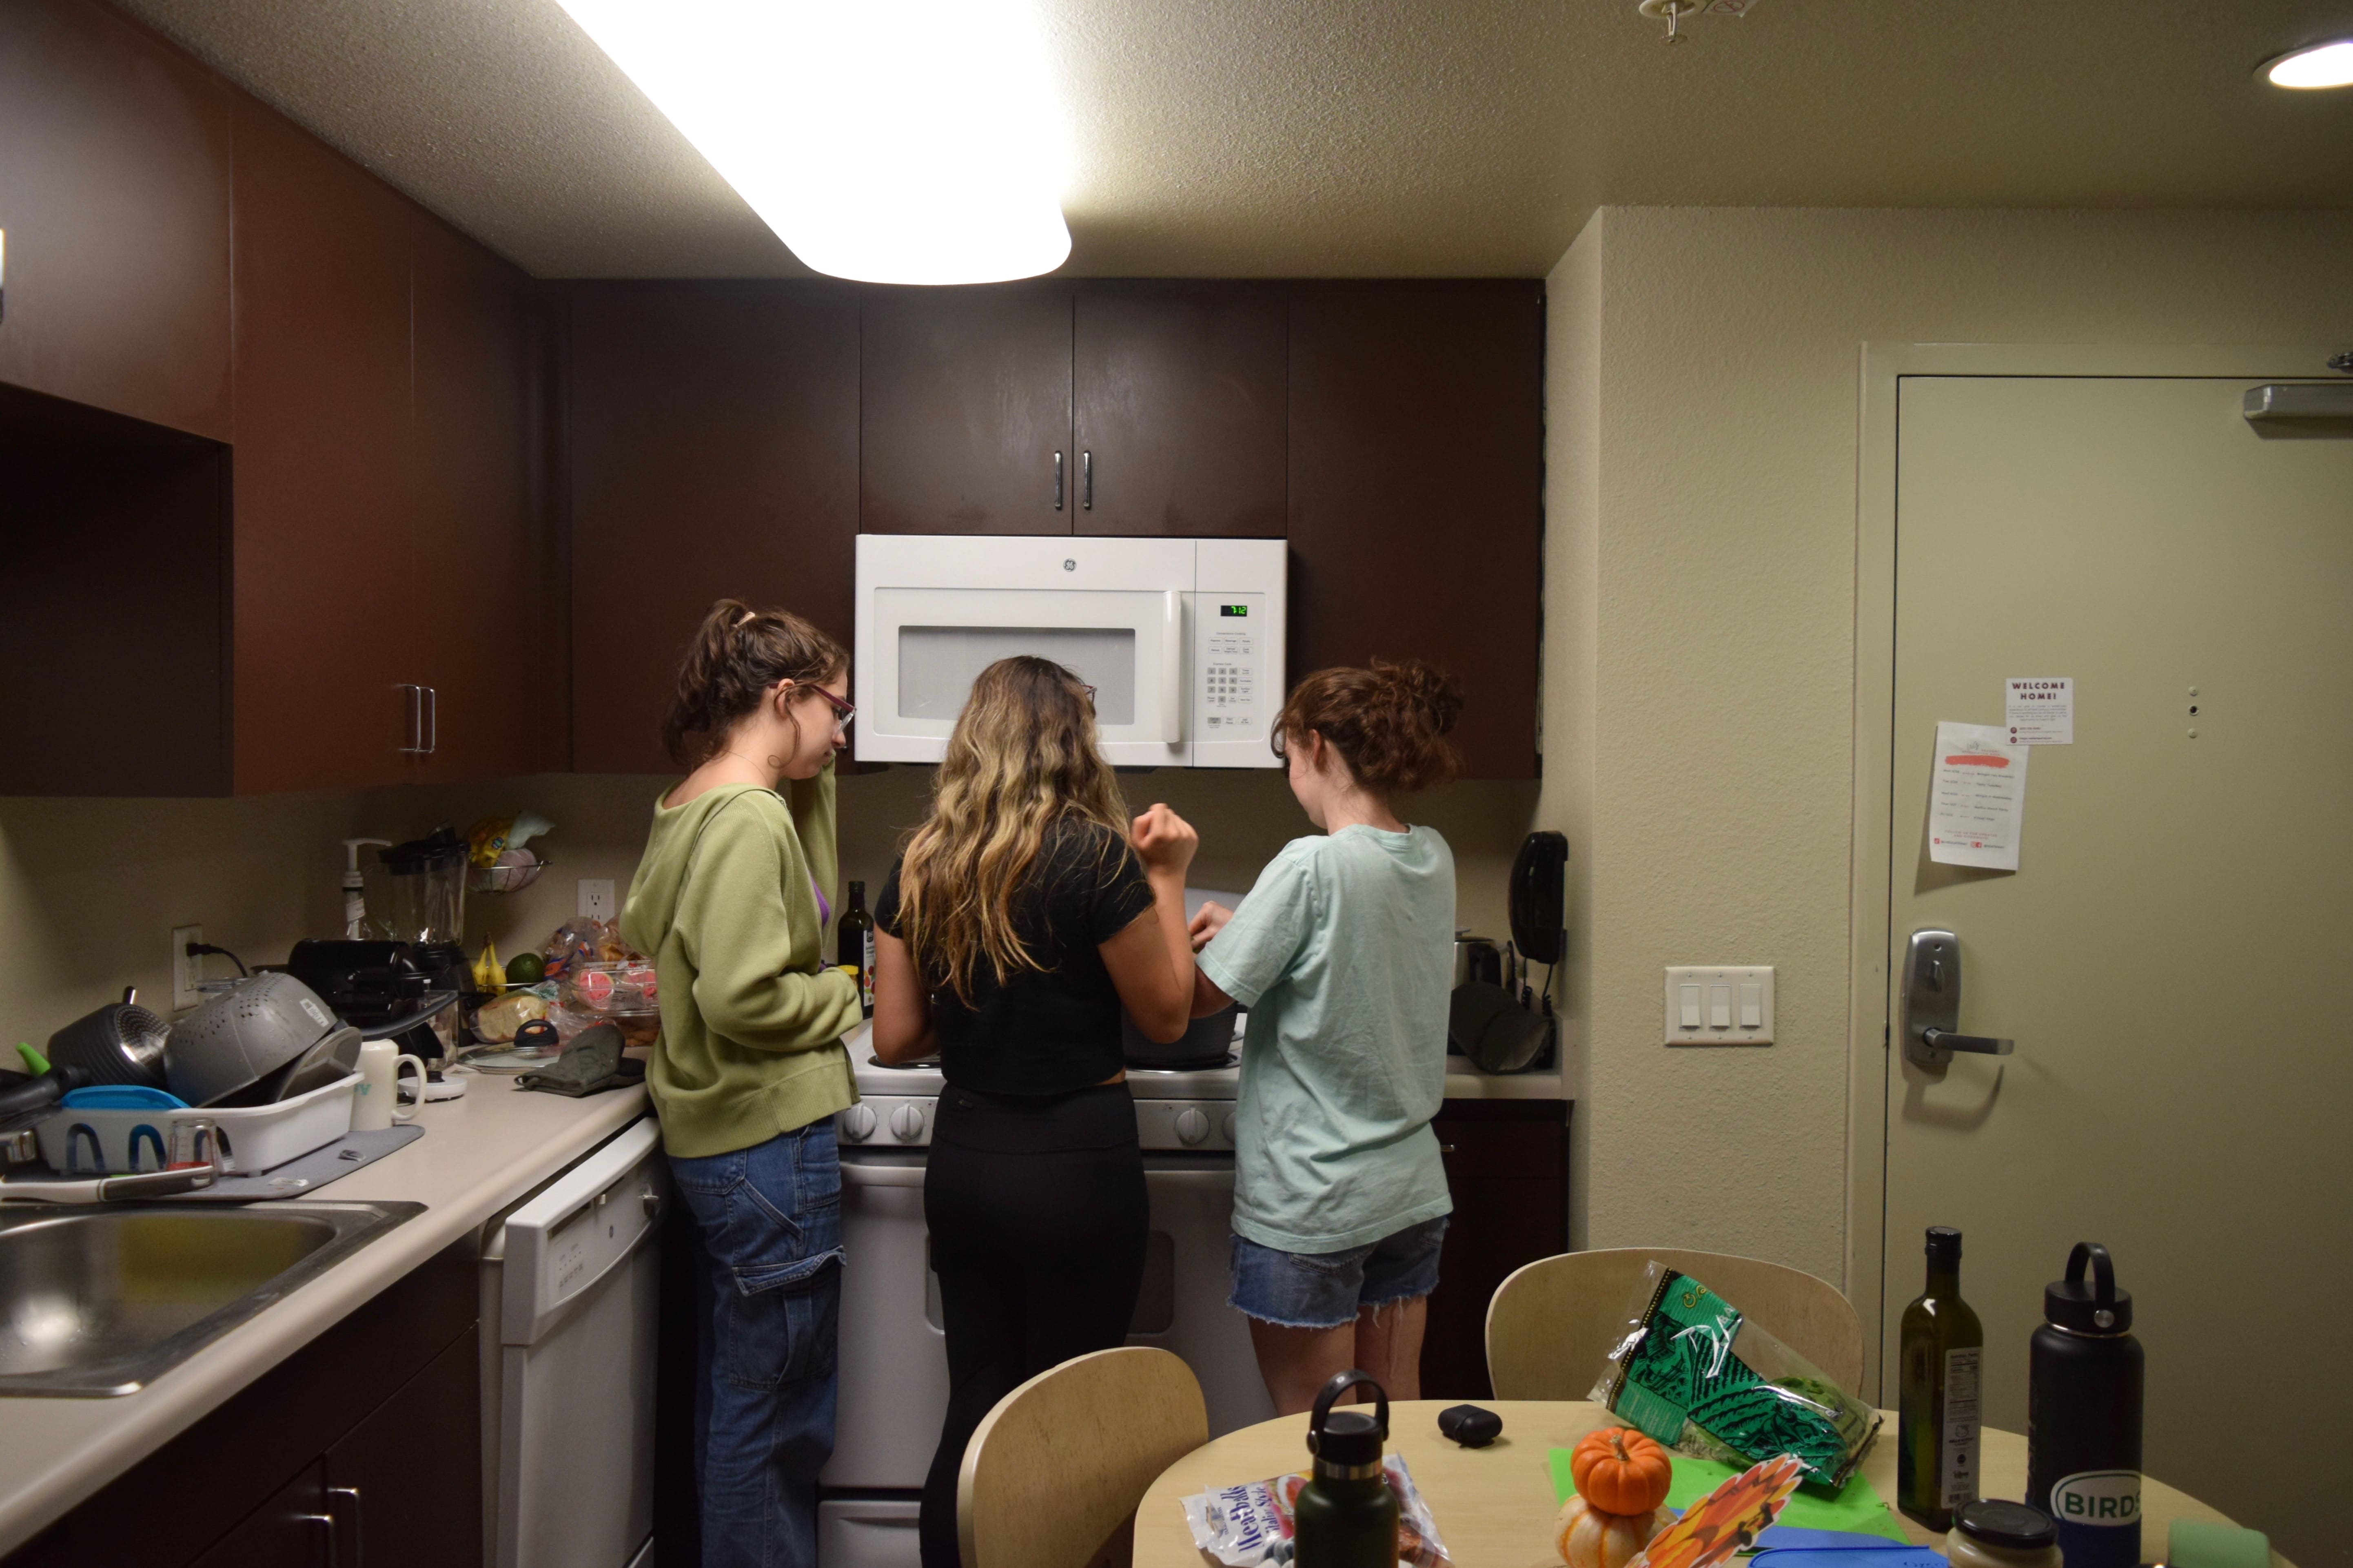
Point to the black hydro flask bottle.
(2083, 1415)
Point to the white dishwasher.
(569, 1309)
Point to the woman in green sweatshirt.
(731, 900)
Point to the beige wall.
(1700, 652)
(91, 889)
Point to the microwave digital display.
(1233, 609)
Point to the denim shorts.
(1324, 1290)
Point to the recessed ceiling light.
(913, 143)
(2320, 65)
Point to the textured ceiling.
(1373, 137)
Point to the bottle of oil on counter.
(854, 941)
(2083, 1415)
(1938, 1422)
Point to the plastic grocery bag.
(1250, 1524)
(1691, 1372)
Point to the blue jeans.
(768, 1224)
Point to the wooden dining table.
(1494, 1508)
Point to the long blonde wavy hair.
(1022, 757)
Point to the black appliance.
(1539, 891)
(385, 990)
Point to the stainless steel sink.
(99, 1301)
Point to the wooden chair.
(1551, 1325)
(1052, 1476)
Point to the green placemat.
(1857, 1508)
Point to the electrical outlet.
(187, 968)
(1719, 1006)
(595, 898)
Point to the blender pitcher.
(428, 879)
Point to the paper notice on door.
(2039, 710)
(1977, 797)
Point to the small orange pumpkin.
(1585, 1537)
(1621, 1470)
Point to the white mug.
(378, 1103)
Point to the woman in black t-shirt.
(1019, 920)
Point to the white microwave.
(1181, 638)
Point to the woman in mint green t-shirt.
(1343, 954)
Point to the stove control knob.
(1229, 1127)
(856, 1123)
(907, 1123)
(1191, 1125)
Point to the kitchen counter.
(1464, 1082)
(477, 1155)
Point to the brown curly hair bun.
(736, 654)
(1388, 723)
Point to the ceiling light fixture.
(2317, 65)
(907, 141)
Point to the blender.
(426, 877)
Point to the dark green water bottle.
(1346, 1517)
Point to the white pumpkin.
(1588, 1538)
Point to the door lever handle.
(1931, 1001)
(1984, 1044)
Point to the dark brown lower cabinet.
(364, 1446)
(292, 1529)
(395, 1483)
(1507, 1164)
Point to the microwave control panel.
(1229, 636)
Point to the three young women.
(1019, 920)
(731, 899)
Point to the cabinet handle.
(433, 711)
(412, 700)
(326, 1523)
(1057, 481)
(1087, 481)
(357, 1556)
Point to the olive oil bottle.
(854, 936)
(1937, 1421)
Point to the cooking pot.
(1206, 1043)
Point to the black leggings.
(1038, 1217)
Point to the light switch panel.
(1719, 1005)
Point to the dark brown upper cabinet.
(1417, 505)
(114, 196)
(713, 433)
(482, 567)
(327, 604)
(965, 410)
(1178, 409)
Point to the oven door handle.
(1172, 668)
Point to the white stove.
(892, 1358)
(1176, 1111)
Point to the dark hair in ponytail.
(736, 654)
(1388, 724)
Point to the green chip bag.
(1695, 1374)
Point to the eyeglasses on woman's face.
(843, 712)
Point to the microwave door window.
(937, 664)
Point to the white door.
(2173, 956)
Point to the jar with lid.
(1991, 1534)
